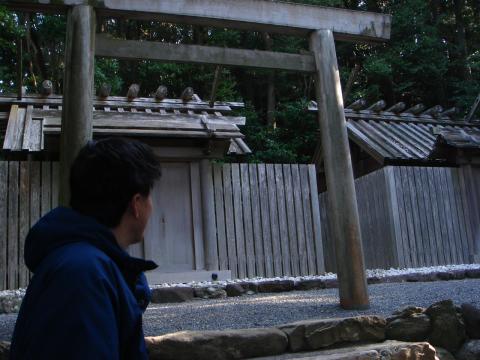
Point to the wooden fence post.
(77, 110)
(342, 202)
(208, 215)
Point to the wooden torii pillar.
(77, 108)
(342, 199)
(256, 15)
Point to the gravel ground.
(265, 310)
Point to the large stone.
(445, 275)
(331, 283)
(316, 334)
(275, 286)
(172, 294)
(394, 279)
(448, 328)
(249, 286)
(406, 312)
(471, 317)
(4, 350)
(415, 327)
(217, 345)
(310, 284)
(458, 274)
(235, 290)
(216, 293)
(388, 350)
(421, 277)
(469, 351)
(210, 292)
(10, 304)
(472, 273)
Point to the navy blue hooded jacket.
(87, 295)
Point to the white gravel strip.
(380, 273)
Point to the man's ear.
(135, 205)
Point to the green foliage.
(291, 141)
(433, 57)
(8, 51)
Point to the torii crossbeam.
(320, 24)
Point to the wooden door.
(170, 235)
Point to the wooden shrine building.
(417, 178)
(321, 25)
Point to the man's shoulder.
(81, 259)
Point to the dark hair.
(107, 173)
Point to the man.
(87, 295)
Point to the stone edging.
(406, 335)
(184, 293)
(180, 293)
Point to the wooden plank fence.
(267, 217)
(268, 221)
(26, 193)
(414, 216)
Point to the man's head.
(111, 180)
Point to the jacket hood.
(63, 225)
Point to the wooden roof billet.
(122, 101)
(404, 137)
(256, 15)
(32, 120)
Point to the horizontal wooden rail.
(133, 49)
(256, 15)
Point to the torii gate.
(320, 24)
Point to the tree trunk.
(33, 44)
(271, 121)
(464, 70)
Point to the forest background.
(433, 57)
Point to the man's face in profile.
(143, 210)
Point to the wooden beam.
(256, 15)
(208, 216)
(77, 109)
(342, 199)
(132, 49)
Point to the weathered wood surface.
(248, 221)
(268, 16)
(78, 89)
(22, 186)
(419, 216)
(183, 248)
(126, 119)
(208, 215)
(12, 224)
(4, 224)
(470, 188)
(24, 221)
(133, 49)
(229, 220)
(339, 174)
(267, 212)
(257, 220)
(220, 218)
(317, 228)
